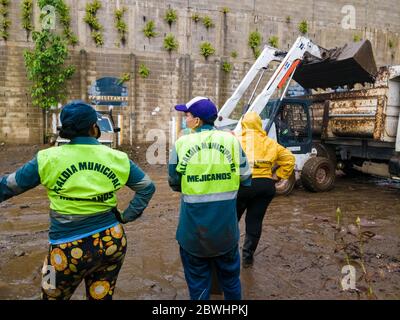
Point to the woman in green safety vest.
(87, 240)
(207, 167)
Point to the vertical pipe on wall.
(132, 98)
(83, 74)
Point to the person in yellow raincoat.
(263, 154)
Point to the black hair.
(210, 121)
(70, 131)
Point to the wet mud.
(300, 256)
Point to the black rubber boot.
(249, 246)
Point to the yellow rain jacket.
(263, 152)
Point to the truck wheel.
(285, 187)
(318, 174)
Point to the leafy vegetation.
(26, 13)
(273, 41)
(5, 21)
(206, 49)
(208, 23)
(356, 38)
(196, 17)
(226, 66)
(93, 22)
(120, 24)
(254, 42)
(170, 43)
(144, 72)
(63, 11)
(170, 17)
(124, 78)
(45, 68)
(149, 29)
(303, 27)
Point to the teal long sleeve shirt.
(66, 230)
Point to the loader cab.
(289, 122)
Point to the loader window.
(269, 109)
(105, 125)
(293, 125)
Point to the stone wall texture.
(177, 77)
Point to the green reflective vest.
(81, 178)
(209, 162)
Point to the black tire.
(318, 174)
(285, 187)
(326, 151)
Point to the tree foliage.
(45, 68)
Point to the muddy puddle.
(300, 255)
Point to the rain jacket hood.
(263, 152)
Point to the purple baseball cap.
(200, 107)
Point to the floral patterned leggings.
(97, 259)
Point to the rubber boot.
(249, 246)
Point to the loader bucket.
(348, 65)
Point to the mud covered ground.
(299, 255)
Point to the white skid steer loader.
(288, 120)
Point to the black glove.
(118, 215)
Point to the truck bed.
(367, 113)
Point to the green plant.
(124, 78)
(288, 19)
(65, 19)
(120, 24)
(226, 66)
(303, 27)
(254, 39)
(97, 37)
(170, 43)
(94, 24)
(26, 13)
(206, 49)
(63, 11)
(225, 10)
(148, 29)
(254, 42)
(273, 41)
(170, 16)
(391, 43)
(207, 22)
(143, 71)
(5, 23)
(356, 38)
(45, 65)
(353, 250)
(196, 17)
(234, 54)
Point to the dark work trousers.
(254, 200)
(198, 274)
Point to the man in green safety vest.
(87, 240)
(207, 166)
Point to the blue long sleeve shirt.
(200, 225)
(65, 228)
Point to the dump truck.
(289, 121)
(359, 128)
